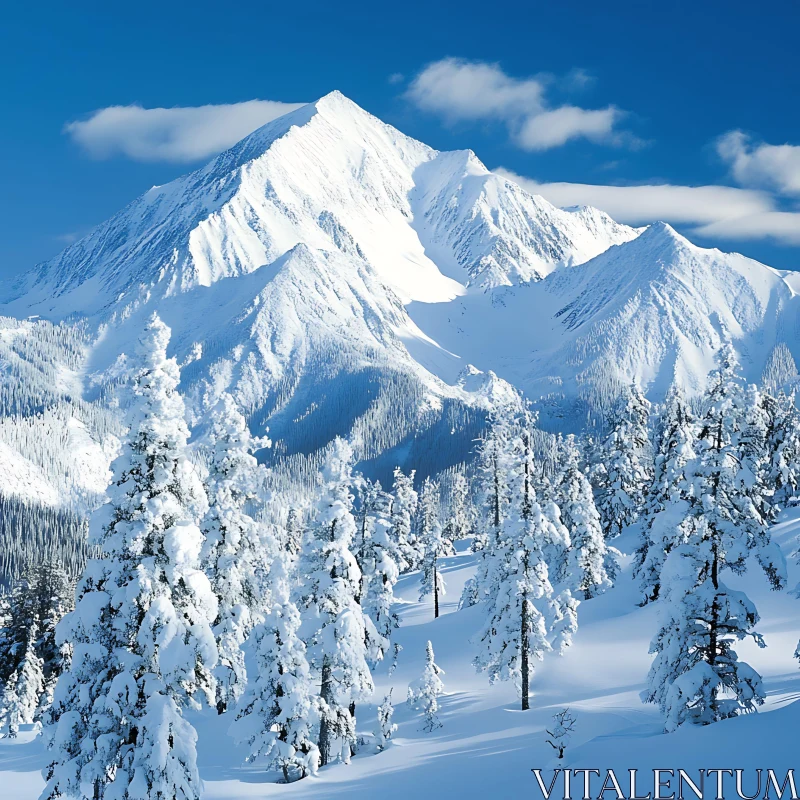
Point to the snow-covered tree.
(590, 562)
(336, 630)
(38, 599)
(386, 727)
(24, 691)
(626, 456)
(460, 515)
(381, 563)
(433, 544)
(753, 454)
(423, 693)
(515, 633)
(495, 464)
(237, 549)
(782, 470)
(696, 675)
(670, 492)
(278, 713)
(141, 629)
(293, 532)
(9, 708)
(404, 510)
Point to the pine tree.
(381, 565)
(460, 518)
(141, 629)
(24, 690)
(9, 707)
(782, 470)
(670, 492)
(423, 693)
(625, 457)
(278, 713)
(385, 725)
(701, 620)
(696, 676)
(338, 630)
(433, 543)
(590, 563)
(494, 466)
(404, 509)
(237, 549)
(515, 632)
(294, 532)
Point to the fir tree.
(494, 466)
(460, 519)
(696, 676)
(404, 509)
(382, 563)
(515, 633)
(141, 629)
(278, 713)
(433, 544)
(237, 549)
(670, 493)
(386, 727)
(589, 560)
(423, 693)
(625, 458)
(338, 630)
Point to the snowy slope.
(653, 310)
(486, 746)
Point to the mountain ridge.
(330, 265)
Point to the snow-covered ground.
(486, 746)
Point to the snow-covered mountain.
(340, 277)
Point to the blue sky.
(627, 105)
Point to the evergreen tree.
(494, 467)
(385, 725)
(278, 713)
(423, 693)
(382, 563)
(696, 675)
(460, 519)
(23, 692)
(404, 509)
(515, 632)
(782, 470)
(433, 544)
(590, 562)
(626, 454)
(670, 492)
(141, 630)
(338, 631)
(237, 549)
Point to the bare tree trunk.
(524, 653)
(326, 693)
(435, 591)
(352, 710)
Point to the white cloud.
(460, 90)
(776, 167)
(172, 134)
(782, 226)
(556, 127)
(716, 211)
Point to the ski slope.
(487, 746)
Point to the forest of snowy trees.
(198, 557)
